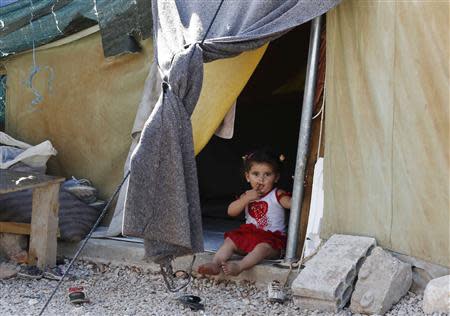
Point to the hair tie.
(247, 156)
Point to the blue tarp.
(6, 2)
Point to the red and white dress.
(264, 223)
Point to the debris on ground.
(125, 290)
(7, 270)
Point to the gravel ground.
(119, 290)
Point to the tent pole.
(303, 139)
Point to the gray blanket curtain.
(162, 203)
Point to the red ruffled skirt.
(247, 236)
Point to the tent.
(386, 128)
(386, 167)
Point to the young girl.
(264, 233)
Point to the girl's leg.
(223, 254)
(260, 252)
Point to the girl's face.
(261, 177)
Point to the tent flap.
(163, 202)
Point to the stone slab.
(330, 274)
(313, 304)
(436, 297)
(382, 281)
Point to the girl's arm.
(284, 199)
(236, 207)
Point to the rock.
(33, 301)
(326, 281)
(7, 271)
(436, 298)
(382, 281)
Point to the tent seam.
(393, 128)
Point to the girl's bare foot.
(209, 268)
(231, 268)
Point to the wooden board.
(15, 228)
(44, 226)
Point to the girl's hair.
(263, 155)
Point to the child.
(264, 233)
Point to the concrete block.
(436, 297)
(382, 281)
(329, 276)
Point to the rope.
(212, 21)
(102, 214)
(322, 111)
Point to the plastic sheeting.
(31, 23)
(386, 170)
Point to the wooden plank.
(44, 226)
(19, 228)
(15, 228)
(12, 181)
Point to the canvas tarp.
(386, 172)
(162, 200)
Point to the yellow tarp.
(386, 170)
(223, 82)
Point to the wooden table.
(44, 214)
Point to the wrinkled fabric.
(162, 203)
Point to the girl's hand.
(251, 195)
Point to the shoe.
(30, 272)
(191, 301)
(77, 296)
(82, 189)
(275, 292)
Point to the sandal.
(275, 292)
(191, 301)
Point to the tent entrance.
(267, 114)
